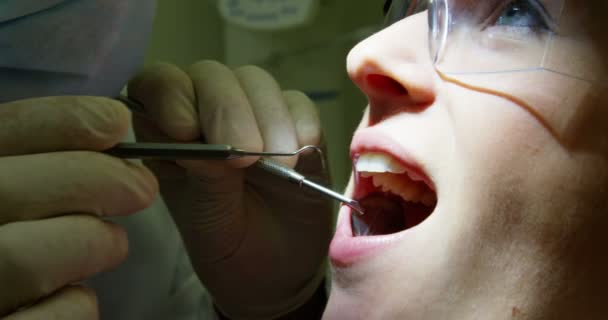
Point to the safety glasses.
(469, 37)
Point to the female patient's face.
(502, 205)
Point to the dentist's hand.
(257, 242)
(53, 191)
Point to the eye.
(524, 14)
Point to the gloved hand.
(54, 192)
(257, 242)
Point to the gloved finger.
(305, 116)
(167, 96)
(39, 257)
(61, 123)
(271, 112)
(45, 185)
(69, 303)
(224, 109)
(308, 127)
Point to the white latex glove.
(54, 192)
(257, 242)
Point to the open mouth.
(393, 197)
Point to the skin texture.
(522, 187)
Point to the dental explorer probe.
(293, 176)
(192, 151)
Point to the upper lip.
(372, 140)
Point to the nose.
(394, 70)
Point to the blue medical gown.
(92, 47)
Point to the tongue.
(383, 215)
(386, 214)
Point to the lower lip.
(346, 250)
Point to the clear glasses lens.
(493, 35)
(515, 47)
(438, 27)
(498, 36)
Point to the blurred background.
(304, 45)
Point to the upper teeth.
(382, 169)
(378, 162)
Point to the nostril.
(385, 86)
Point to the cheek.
(493, 137)
(500, 151)
(587, 129)
(514, 181)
